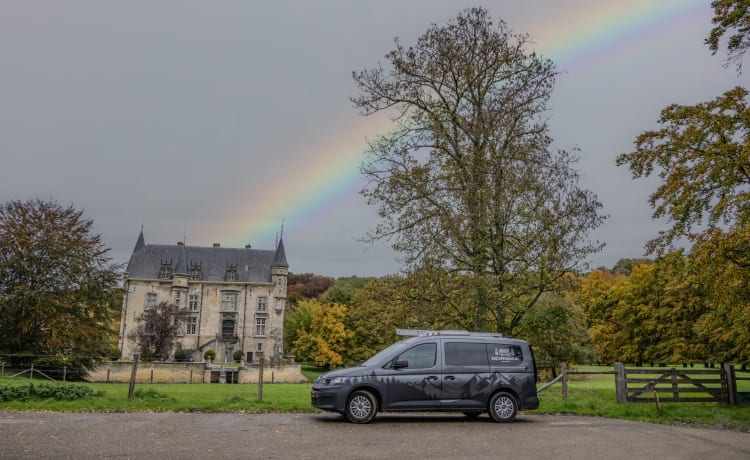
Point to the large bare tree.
(467, 180)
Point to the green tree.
(57, 284)
(556, 329)
(467, 181)
(625, 266)
(327, 340)
(702, 155)
(731, 16)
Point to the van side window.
(465, 354)
(500, 354)
(420, 357)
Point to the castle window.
(262, 306)
(166, 271)
(195, 271)
(150, 300)
(191, 325)
(231, 272)
(260, 327)
(229, 301)
(193, 302)
(178, 298)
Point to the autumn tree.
(326, 340)
(306, 286)
(731, 17)
(157, 329)
(467, 181)
(702, 156)
(58, 291)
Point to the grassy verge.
(587, 395)
(595, 395)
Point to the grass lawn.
(595, 395)
(587, 395)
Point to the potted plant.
(237, 356)
(209, 355)
(180, 355)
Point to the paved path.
(327, 436)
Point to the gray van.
(442, 371)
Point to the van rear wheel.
(503, 407)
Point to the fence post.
(65, 372)
(731, 377)
(132, 376)
(31, 374)
(564, 372)
(260, 375)
(152, 376)
(621, 385)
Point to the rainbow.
(330, 180)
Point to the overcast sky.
(214, 121)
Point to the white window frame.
(229, 301)
(260, 327)
(193, 302)
(151, 299)
(261, 305)
(191, 325)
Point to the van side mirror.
(400, 364)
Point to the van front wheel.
(361, 407)
(503, 407)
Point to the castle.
(235, 297)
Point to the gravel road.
(327, 436)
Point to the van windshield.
(387, 352)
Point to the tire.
(503, 407)
(361, 407)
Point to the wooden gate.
(675, 385)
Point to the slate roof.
(252, 265)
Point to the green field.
(587, 395)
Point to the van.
(435, 371)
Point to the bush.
(209, 354)
(57, 392)
(237, 355)
(115, 354)
(148, 355)
(180, 355)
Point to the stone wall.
(150, 372)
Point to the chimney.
(217, 245)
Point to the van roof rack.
(454, 332)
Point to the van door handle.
(432, 377)
(450, 377)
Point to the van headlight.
(332, 381)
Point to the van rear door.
(465, 376)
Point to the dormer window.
(195, 271)
(231, 272)
(166, 270)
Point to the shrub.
(115, 354)
(180, 355)
(209, 354)
(237, 355)
(148, 355)
(57, 392)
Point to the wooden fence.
(664, 384)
